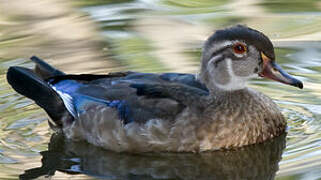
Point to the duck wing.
(137, 97)
(133, 96)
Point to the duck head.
(234, 55)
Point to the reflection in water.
(253, 162)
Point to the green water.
(100, 36)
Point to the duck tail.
(33, 86)
(44, 70)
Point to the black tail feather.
(44, 70)
(29, 84)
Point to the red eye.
(239, 48)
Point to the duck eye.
(239, 48)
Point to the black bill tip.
(299, 84)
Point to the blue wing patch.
(76, 103)
(66, 89)
(123, 109)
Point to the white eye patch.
(240, 55)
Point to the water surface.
(156, 36)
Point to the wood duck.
(140, 112)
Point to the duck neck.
(220, 93)
(216, 90)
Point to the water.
(82, 36)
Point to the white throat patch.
(235, 82)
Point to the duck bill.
(273, 71)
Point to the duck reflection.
(252, 162)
